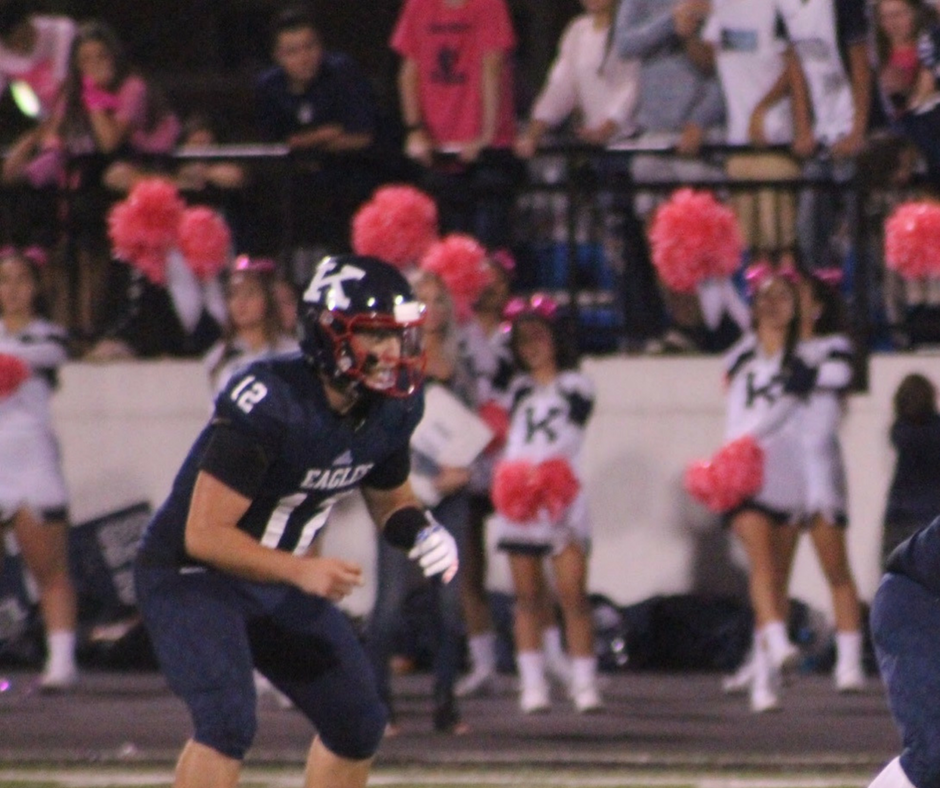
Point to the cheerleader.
(33, 495)
(825, 346)
(766, 379)
(551, 404)
(254, 328)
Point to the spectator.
(914, 495)
(680, 106)
(756, 72)
(320, 104)
(33, 496)
(254, 327)
(34, 52)
(586, 79)
(830, 41)
(107, 113)
(552, 402)
(680, 100)
(455, 88)
(447, 367)
(905, 81)
(589, 83)
(195, 177)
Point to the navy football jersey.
(312, 456)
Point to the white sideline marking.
(82, 777)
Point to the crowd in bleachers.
(836, 91)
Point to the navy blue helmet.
(355, 294)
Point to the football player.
(224, 578)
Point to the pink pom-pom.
(558, 486)
(734, 474)
(514, 493)
(204, 240)
(496, 417)
(13, 373)
(460, 261)
(146, 225)
(912, 240)
(694, 237)
(398, 225)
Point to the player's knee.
(358, 734)
(228, 727)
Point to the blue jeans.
(905, 626)
(397, 575)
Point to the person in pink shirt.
(455, 89)
(106, 115)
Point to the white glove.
(436, 551)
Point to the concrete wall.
(126, 427)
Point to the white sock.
(551, 642)
(849, 648)
(776, 640)
(482, 649)
(531, 666)
(892, 776)
(583, 671)
(61, 650)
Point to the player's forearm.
(235, 552)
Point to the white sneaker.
(59, 679)
(476, 682)
(534, 699)
(586, 699)
(849, 678)
(765, 685)
(740, 681)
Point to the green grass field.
(81, 776)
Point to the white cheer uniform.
(549, 421)
(30, 465)
(758, 406)
(819, 419)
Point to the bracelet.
(414, 127)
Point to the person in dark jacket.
(914, 495)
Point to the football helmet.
(351, 295)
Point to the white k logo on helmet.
(332, 281)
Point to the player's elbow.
(197, 544)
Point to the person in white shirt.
(33, 493)
(755, 75)
(830, 39)
(586, 77)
